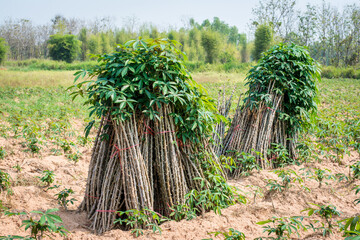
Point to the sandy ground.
(30, 195)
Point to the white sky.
(162, 13)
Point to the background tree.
(64, 47)
(83, 37)
(263, 40)
(280, 13)
(3, 50)
(210, 41)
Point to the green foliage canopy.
(141, 76)
(63, 47)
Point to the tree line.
(332, 36)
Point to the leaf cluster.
(44, 226)
(140, 77)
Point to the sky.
(162, 13)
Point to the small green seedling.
(17, 167)
(47, 177)
(141, 219)
(274, 185)
(74, 156)
(283, 227)
(325, 212)
(62, 197)
(355, 168)
(182, 211)
(5, 184)
(321, 174)
(2, 153)
(230, 235)
(246, 162)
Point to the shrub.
(63, 47)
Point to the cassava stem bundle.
(280, 99)
(154, 120)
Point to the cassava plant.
(245, 164)
(283, 227)
(47, 177)
(154, 120)
(44, 226)
(282, 96)
(5, 184)
(355, 169)
(63, 197)
(326, 213)
(230, 235)
(351, 227)
(2, 153)
(321, 174)
(138, 220)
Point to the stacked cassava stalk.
(154, 120)
(281, 97)
(223, 107)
